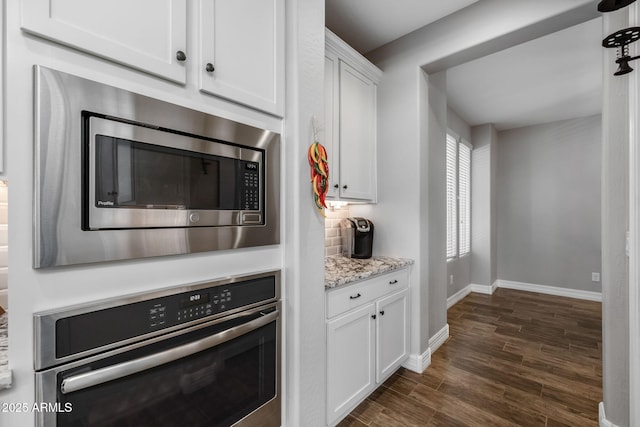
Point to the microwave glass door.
(132, 174)
(142, 177)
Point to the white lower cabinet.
(350, 360)
(392, 339)
(367, 339)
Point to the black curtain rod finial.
(611, 5)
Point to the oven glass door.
(214, 386)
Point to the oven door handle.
(110, 373)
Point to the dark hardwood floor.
(513, 359)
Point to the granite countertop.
(340, 270)
(5, 372)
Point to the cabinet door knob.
(336, 186)
(373, 316)
(209, 67)
(344, 186)
(181, 56)
(393, 282)
(382, 313)
(355, 296)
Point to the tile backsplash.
(332, 242)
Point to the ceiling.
(554, 77)
(369, 24)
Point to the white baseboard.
(484, 289)
(480, 289)
(551, 290)
(458, 296)
(520, 286)
(439, 338)
(602, 418)
(418, 362)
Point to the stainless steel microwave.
(142, 177)
(119, 176)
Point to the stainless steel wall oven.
(119, 175)
(206, 354)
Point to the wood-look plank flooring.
(513, 358)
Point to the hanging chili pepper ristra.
(317, 157)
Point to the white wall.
(458, 126)
(548, 195)
(634, 234)
(304, 227)
(615, 277)
(484, 252)
(4, 240)
(434, 210)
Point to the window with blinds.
(464, 198)
(452, 197)
(458, 197)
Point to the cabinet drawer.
(351, 296)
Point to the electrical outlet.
(451, 279)
(595, 277)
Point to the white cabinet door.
(143, 34)
(392, 340)
(242, 51)
(357, 134)
(331, 120)
(350, 360)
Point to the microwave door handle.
(110, 373)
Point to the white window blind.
(458, 197)
(452, 190)
(464, 198)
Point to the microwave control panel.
(250, 186)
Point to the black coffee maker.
(357, 237)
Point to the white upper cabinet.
(144, 34)
(332, 119)
(357, 135)
(351, 84)
(240, 43)
(242, 51)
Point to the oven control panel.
(93, 329)
(190, 306)
(201, 304)
(157, 315)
